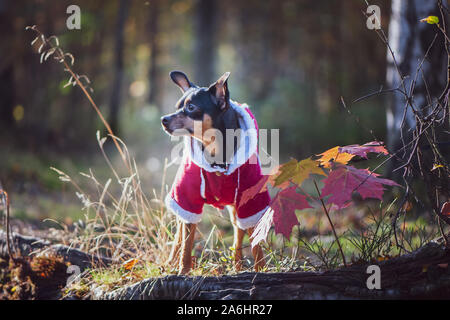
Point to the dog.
(220, 161)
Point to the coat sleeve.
(185, 199)
(249, 214)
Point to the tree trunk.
(118, 67)
(154, 72)
(205, 41)
(410, 40)
(6, 69)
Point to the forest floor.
(421, 274)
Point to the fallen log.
(423, 274)
(25, 245)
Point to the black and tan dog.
(220, 162)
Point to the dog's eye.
(190, 107)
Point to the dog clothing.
(198, 182)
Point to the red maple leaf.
(284, 206)
(251, 192)
(344, 180)
(362, 151)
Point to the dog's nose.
(165, 120)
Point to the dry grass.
(120, 220)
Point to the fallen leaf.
(129, 264)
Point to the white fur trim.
(247, 147)
(237, 187)
(251, 221)
(202, 185)
(184, 215)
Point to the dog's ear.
(181, 80)
(219, 91)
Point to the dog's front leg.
(238, 239)
(187, 242)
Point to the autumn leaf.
(344, 180)
(333, 155)
(262, 228)
(362, 151)
(251, 192)
(284, 206)
(430, 20)
(286, 171)
(297, 172)
(129, 264)
(436, 166)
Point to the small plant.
(341, 181)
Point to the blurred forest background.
(291, 61)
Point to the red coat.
(198, 183)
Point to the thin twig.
(331, 223)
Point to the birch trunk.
(410, 39)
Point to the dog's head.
(199, 108)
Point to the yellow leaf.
(297, 172)
(287, 171)
(334, 155)
(430, 20)
(305, 168)
(436, 165)
(129, 264)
